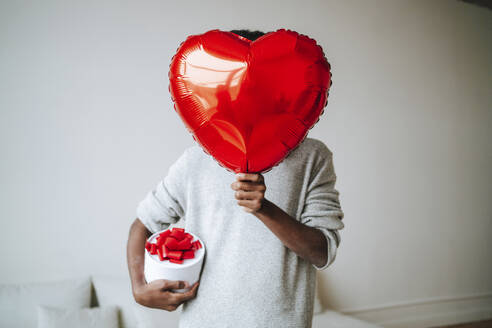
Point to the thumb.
(175, 284)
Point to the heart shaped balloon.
(249, 103)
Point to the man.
(265, 235)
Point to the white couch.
(21, 305)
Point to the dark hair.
(250, 35)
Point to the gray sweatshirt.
(249, 278)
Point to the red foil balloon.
(249, 103)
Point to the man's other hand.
(158, 294)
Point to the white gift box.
(189, 270)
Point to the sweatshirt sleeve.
(322, 207)
(165, 204)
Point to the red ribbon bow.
(174, 245)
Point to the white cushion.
(151, 318)
(116, 290)
(102, 317)
(18, 301)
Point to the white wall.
(87, 128)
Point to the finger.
(165, 299)
(171, 308)
(179, 298)
(247, 195)
(245, 185)
(166, 306)
(174, 284)
(254, 177)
